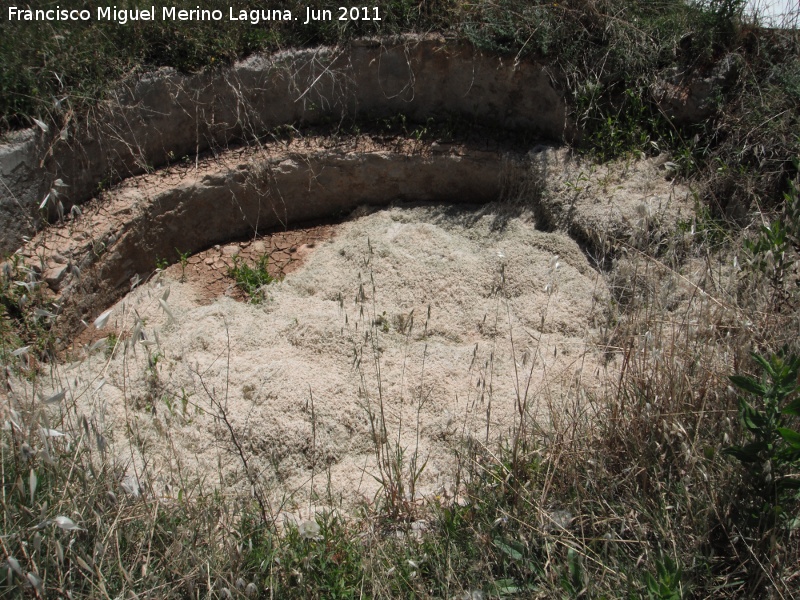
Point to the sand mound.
(409, 312)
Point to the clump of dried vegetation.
(679, 479)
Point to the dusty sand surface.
(413, 329)
(412, 308)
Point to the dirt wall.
(163, 116)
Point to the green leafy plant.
(178, 406)
(768, 252)
(772, 454)
(717, 21)
(111, 343)
(183, 257)
(773, 252)
(573, 580)
(619, 126)
(251, 280)
(666, 583)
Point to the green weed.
(251, 280)
(666, 583)
(774, 251)
(772, 453)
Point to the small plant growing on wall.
(183, 257)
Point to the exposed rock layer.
(147, 218)
(185, 209)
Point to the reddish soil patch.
(208, 271)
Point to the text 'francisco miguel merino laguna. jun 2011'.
(171, 13)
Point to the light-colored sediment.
(495, 253)
(297, 377)
(515, 313)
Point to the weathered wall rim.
(89, 260)
(164, 115)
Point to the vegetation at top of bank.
(611, 56)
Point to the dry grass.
(624, 492)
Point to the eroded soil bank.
(161, 117)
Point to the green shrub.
(773, 253)
(251, 280)
(771, 455)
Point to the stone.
(53, 277)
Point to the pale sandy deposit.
(353, 319)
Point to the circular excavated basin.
(420, 323)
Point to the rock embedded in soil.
(53, 277)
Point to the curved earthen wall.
(165, 115)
